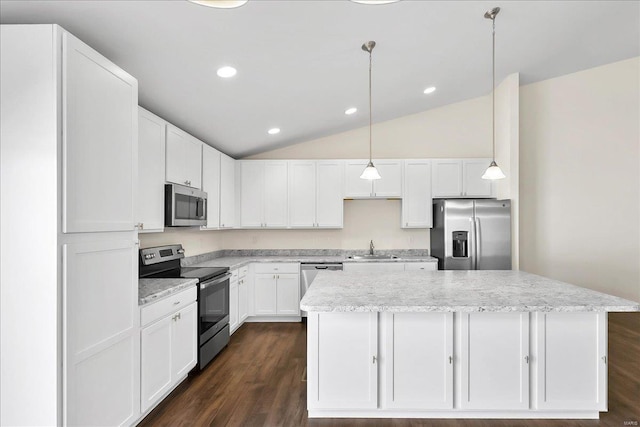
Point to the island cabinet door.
(417, 360)
(572, 361)
(342, 361)
(495, 361)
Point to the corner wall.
(579, 178)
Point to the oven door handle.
(224, 278)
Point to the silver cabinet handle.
(374, 359)
(139, 226)
(526, 359)
(450, 360)
(604, 359)
(176, 303)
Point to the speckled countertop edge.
(154, 290)
(237, 262)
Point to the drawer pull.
(176, 302)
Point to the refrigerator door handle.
(472, 242)
(476, 237)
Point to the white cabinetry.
(418, 364)
(417, 210)
(572, 362)
(315, 194)
(227, 191)
(183, 158)
(277, 289)
(151, 163)
(169, 345)
(420, 266)
(243, 295)
(495, 361)
(390, 185)
(233, 304)
(460, 178)
(99, 141)
(343, 369)
(238, 298)
(263, 194)
(211, 184)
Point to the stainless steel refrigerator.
(472, 234)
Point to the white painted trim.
(273, 319)
(572, 415)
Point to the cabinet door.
(473, 184)
(233, 305)
(495, 361)
(288, 294)
(343, 373)
(155, 363)
(184, 341)
(419, 360)
(99, 141)
(390, 185)
(329, 191)
(183, 158)
(417, 210)
(572, 368)
(252, 193)
(447, 178)
(276, 193)
(356, 187)
(373, 267)
(101, 369)
(227, 192)
(151, 152)
(302, 193)
(265, 294)
(420, 266)
(211, 184)
(243, 301)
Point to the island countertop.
(453, 291)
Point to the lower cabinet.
(243, 300)
(168, 348)
(234, 317)
(277, 289)
(375, 267)
(238, 298)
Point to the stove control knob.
(149, 256)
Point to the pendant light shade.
(370, 172)
(493, 171)
(221, 4)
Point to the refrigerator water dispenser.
(460, 244)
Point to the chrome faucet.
(371, 247)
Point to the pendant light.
(493, 171)
(220, 4)
(370, 172)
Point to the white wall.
(579, 178)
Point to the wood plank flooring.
(257, 381)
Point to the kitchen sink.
(365, 257)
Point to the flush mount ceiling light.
(273, 131)
(350, 111)
(493, 171)
(220, 4)
(429, 90)
(226, 72)
(370, 172)
(375, 1)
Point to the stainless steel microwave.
(184, 206)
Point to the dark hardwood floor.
(257, 381)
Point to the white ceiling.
(300, 64)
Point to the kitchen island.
(456, 344)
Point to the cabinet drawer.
(154, 311)
(416, 266)
(243, 271)
(282, 267)
(234, 275)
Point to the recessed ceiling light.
(226, 72)
(350, 111)
(273, 131)
(375, 1)
(220, 4)
(430, 90)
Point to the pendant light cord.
(370, 113)
(493, 92)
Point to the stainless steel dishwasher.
(308, 272)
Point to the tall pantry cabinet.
(69, 293)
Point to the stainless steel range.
(213, 295)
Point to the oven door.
(213, 306)
(184, 206)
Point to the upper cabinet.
(390, 185)
(460, 178)
(417, 209)
(151, 152)
(211, 184)
(227, 191)
(315, 194)
(184, 158)
(100, 141)
(263, 193)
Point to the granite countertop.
(240, 261)
(461, 291)
(152, 290)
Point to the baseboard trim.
(258, 319)
(381, 413)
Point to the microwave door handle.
(321, 268)
(219, 280)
